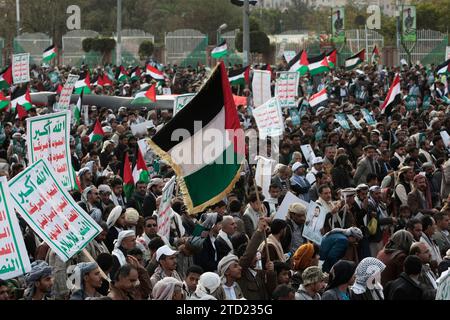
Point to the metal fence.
(131, 40)
(33, 43)
(356, 40)
(186, 47)
(429, 48)
(73, 53)
(291, 40)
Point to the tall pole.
(119, 33)
(398, 27)
(18, 17)
(367, 43)
(246, 31)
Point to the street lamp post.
(219, 32)
(246, 33)
(119, 33)
(18, 17)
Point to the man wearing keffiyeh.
(39, 282)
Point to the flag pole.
(265, 236)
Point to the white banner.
(21, 68)
(308, 154)
(48, 138)
(315, 219)
(269, 119)
(165, 207)
(354, 122)
(181, 101)
(66, 93)
(283, 209)
(286, 89)
(51, 211)
(141, 128)
(14, 259)
(263, 175)
(261, 87)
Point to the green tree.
(146, 49)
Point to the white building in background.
(388, 7)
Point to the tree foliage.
(146, 49)
(259, 42)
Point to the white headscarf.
(224, 264)
(164, 289)
(368, 275)
(114, 215)
(207, 284)
(117, 252)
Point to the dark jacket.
(205, 258)
(332, 249)
(262, 285)
(110, 237)
(341, 178)
(149, 205)
(222, 248)
(404, 288)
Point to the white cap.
(296, 166)
(164, 250)
(317, 160)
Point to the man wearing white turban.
(168, 289)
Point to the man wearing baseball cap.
(167, 260)
(317, 167)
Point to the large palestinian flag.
(393, 97)
(299, 63)
(318, 64)
(204, 180)
(83, 84)
(6, 78)
(239, 76)
(355, 60)
(443, 68)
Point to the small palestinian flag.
(239, 77)
(332, 59)
(21, 101)
(393, 97)
(77, 110)
(354, 61)
(97, 134)
(220, 51)
(375, 59)
(83, 84)
(4, 102)
(299, 63)
(123, 74)
(443, 68)
(318, 98)
(145, 97)
(128, 182)
(6, 78)
(140, 170)
(136, 74)
(154, 73)
(49, 54)
(77, 184)
(318, 64)
(104, 81)
(204, 180)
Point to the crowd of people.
(385, 190)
